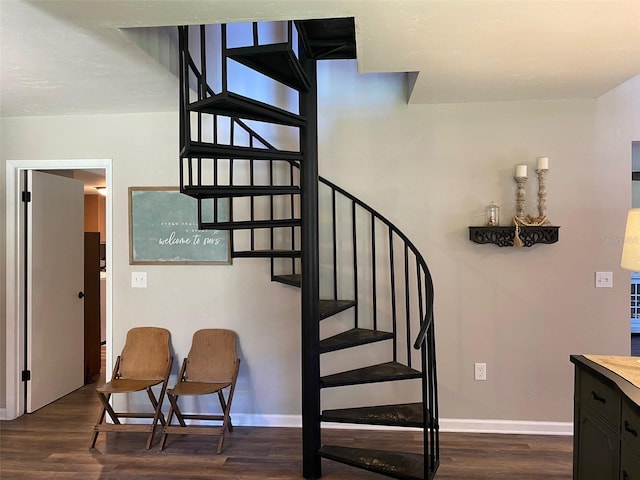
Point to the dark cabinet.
(597, 448)
(606, 423)
(629, 465)
(630, 438)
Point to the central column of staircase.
(311, 438)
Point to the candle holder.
(542, 192)
(520, 196)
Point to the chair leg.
(158, 416)
(94, 435)
(100, 420)
(226, 419)
(172, 410)
(220, 441)
(225, 410)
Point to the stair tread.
(266, 253)
(234, 105)
(245, 224)
(352, 338)
(228, 191)
(328, 38)
(327, 307)
(332, 307)
(210, 150)
(399, 415)
(400, 465)
(276, 61)
(383, 372)
(294, 280)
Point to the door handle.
(80, 294)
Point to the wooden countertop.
(622, 372)
(626, 367)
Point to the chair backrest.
(146, 354)
(212, 357)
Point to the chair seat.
(123, 385)
(197, 388)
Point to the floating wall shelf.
(503, 236)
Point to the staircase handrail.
(428, 317)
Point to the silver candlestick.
(520, 196)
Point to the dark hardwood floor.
(52, 443)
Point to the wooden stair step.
(397, 415)
(266, 254)
(246, 224)
(210, 150)
(229, 191)
(353, 338)
(383, 372)
(403, 466)
(276, 61)
(231, 104)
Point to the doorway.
(15, 318)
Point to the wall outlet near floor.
(480, 371)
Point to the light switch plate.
(139, 279)
(604, 280)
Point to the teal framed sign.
(163, 229)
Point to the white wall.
(431, 169)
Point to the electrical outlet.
(480, 371)
(604, 280)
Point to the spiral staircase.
(367, 294)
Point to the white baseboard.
(454, 425)
(505, 426)
(446, 425)
(257, 420)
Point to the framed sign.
(163, 229)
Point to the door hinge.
(26, 197)
(26, 375)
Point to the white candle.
(543, 163)
(521, 171)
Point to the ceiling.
(70, 56)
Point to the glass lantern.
(492, 215)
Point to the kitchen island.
(606, 444)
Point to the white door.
(55, 277)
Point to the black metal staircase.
(351, 263)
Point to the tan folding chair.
(211, 366)
(145, 362)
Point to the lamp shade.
(631, 245)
